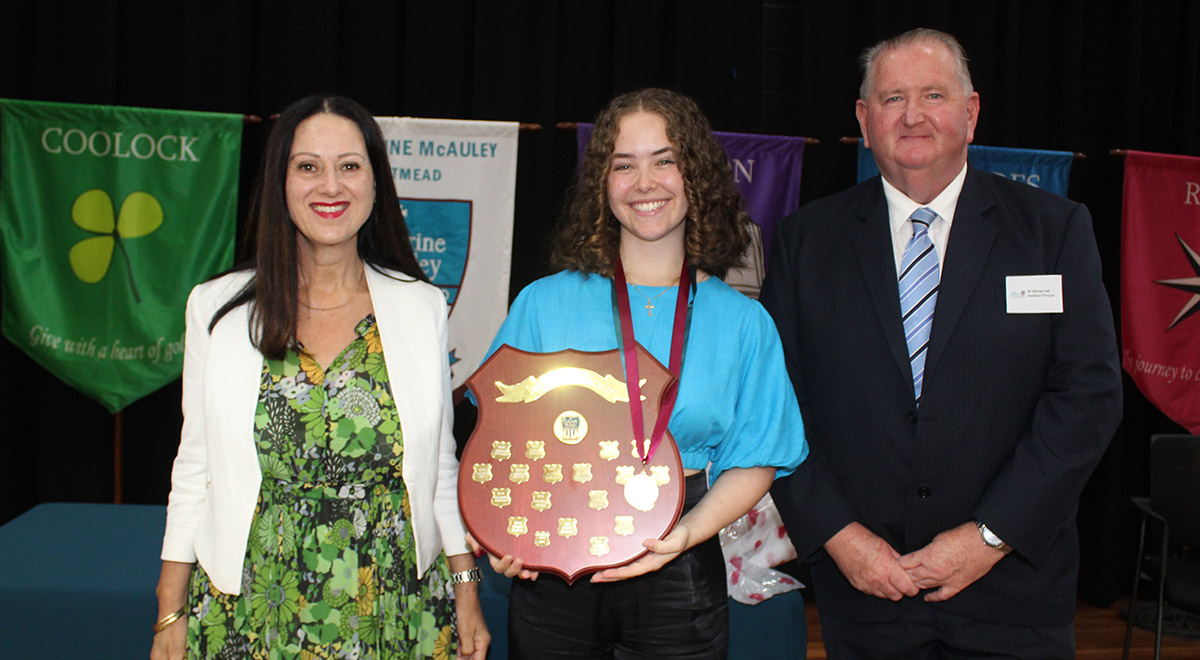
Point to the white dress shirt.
(900, 207)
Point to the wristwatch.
(463, 577)
(991, 539)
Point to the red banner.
(1160, 282)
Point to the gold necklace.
(326, 309)
(649, 307)
(339, 305)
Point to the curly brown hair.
(588, 237)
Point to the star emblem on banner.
(1189, 284)
(454, 359)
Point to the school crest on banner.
(109, 216)
(441, 237)
(1160, 282)
(457, 185)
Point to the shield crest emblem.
(440, 233)
(551, 474)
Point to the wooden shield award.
(551, 474)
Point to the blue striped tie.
(919, 277)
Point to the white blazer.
(215, 480)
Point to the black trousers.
(923, 632)
(679, 611)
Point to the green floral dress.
(330, 568)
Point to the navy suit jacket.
(1016, 409)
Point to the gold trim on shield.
(535, 387)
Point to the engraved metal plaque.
(551, 429)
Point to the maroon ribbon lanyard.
(629, 354)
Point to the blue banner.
(1048, 170)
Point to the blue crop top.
(735, 408)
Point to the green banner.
(108, 217)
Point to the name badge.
(1034, 294)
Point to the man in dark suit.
(951, 429)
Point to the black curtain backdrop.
(1070, 75)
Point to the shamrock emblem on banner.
(92, 211)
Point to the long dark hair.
(273, 290)
(588, 237)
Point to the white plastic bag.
(752, 545)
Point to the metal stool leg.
(1162, 585)
(1133, 592)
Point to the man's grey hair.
(867, 60)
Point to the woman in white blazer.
(313, 505)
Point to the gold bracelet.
(167, 620)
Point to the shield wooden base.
(551, 474)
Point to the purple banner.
(765, 167)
